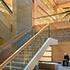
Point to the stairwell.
(27, 56)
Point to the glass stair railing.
(13, 44)
(24, 38)
(22, 56)
(19, 59)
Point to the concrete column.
(23, 13)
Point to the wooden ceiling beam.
(45, 12)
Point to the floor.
(60, 67)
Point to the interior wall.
(5, 32)
(59, 50)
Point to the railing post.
(10, 65)
(11, 28)
(49, 31)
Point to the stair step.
(21, 59)
(14, 67)
(18, 62)
(23, 55)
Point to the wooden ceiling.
(61, 1)
(50, 7)
(9, 2)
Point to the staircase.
(24, 38)
(13, 44)
(28, 55)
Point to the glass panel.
(27, 52)
(13, 44)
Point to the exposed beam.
(44, 4)
(40, 11)
(45, 12)
(55, 9)
(62, 3)
(54, 2)
(50, 4)
(49, 15)
(6, 6)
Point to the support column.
(23, 13)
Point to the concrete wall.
(5, 32)
(23, 15)
(19, 21)
(9, 21)
(7, 25)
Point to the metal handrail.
(20, 49)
